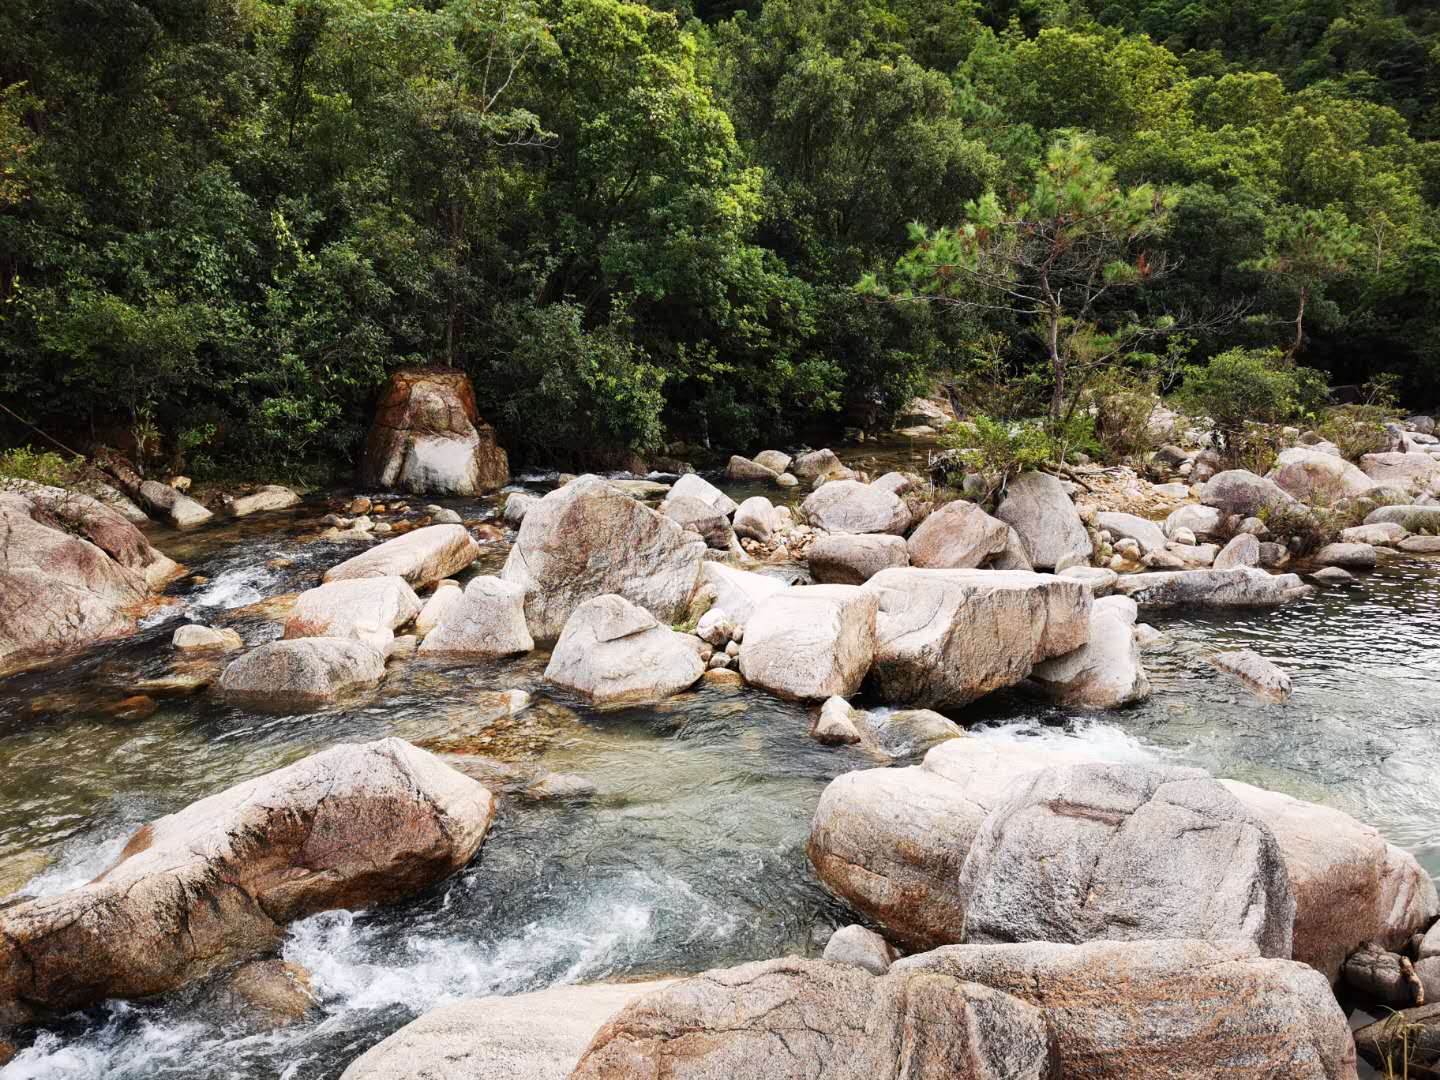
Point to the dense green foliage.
(221, 221)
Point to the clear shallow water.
(690, 854)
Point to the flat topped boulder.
(428, 437)
(1165, 1010)
(59, 591)
(302, 673)
(848, 506)
(537, 1036)
(810, 642)
(1037, 507)
(1126, 853)
(793, 1019)
(590, 539)
(200, 890)
(946, 637)
(422, 557)
(614, 652)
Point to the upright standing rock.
(488, 621)
(1041, 513)
(958, 536)
(428, 437)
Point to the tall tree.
(1307, 249)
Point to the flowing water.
(690, 852)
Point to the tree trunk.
(1057, 368)
(1300, 322)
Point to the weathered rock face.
(488, 621)
(1413, 518)
(848, 506)
(699, 517)
(856, 946)
(1349, 884)
(1311, 475)
(1206, 522)
(303, 673)
(269, 497)
(105, 527)
(1259, 675)
(810, 642)
(737, 592)
(1144, 532)
(1237, 491)
(1413, 472)
(614, 652)
(958, 536)
(853, 560)
(795, 1019)
(1241, 587)
(891, 842)
(428, 438)
(216, 883)
(1126, 853)
(1165, 1010)
(947, 637)
(1347, 556)
(589, 539)
(1041, 513)
(59, 592)
(535, 1036)
(366, 609)
(697, 487)
(1105, 672)
(164, 503)
(421, 557)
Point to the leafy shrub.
(39, 466)
(996, 452)
(1360, 429)
(1311, 527)
(1124, 405)
(1241, 390)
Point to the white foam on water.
(116, 1050)
(1093, 738)
(234, 588)
(81, 862)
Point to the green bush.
(1244, 391)
(39, 466)
(997, 451)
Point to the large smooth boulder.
(777, 461)
(848, 506)
(1237, 491)
(590, 539)
(1384, 534)
(958, 536)
(697, 487)
(165, 503)
(302, 673)
(1105, 672)
(742, 468)
(1126, 853)
(809, 467)
(422, 557)
(1347, 556)
(793, 1019)
(1241, 587)
(1413, 471)
(270, 497)
(1311, 475)
(487, 622)
(1412, 518)
(891, 842)
(613, 652)
(59, 592)
(737, 592)
(1037, 507)
(197, 891)
(366, 609)
(428, 437)
(1349, 885)
(946, 637)
(537, 1036)
(1165, 1010)
(811, 641)
(1205, 522)
(756, 518)
(1146, 533)
(699, 517)
(850, 559)
(1242, 550)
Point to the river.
(689, 855)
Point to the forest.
(222, 221)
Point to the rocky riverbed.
(655, 775)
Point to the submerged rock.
(302, 673)
(1263, 678)
(795, 1019)
(421, 557)
(1165, 1010)
(1126, 853)
(589, 539)
(947, 637)
(428, 437)
(1240, 587)
(614, 652)
(216, 883)
(810, 641)
(487, 621)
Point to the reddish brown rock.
(428, 437)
